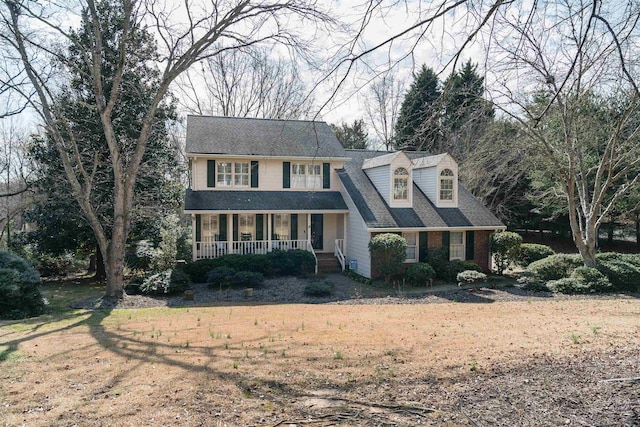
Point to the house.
(259, 184)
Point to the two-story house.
(259, 184)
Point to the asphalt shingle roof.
(225, 200)
(262, 137)
(378, 214)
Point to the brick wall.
(481, 249)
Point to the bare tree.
(577, 103)
(207, 30)
(383, 106)
(246, 83)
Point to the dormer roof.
(383, 160)
(261, 137)
(428, 161)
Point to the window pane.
(400, 188)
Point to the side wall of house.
(269, 174)
(357, 244)
(427, 181)
(381, 178)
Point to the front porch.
(218, 234)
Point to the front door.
(316, 231)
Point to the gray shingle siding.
(261, 137)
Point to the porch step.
(328, 263)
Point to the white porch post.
(269, 232)
(230, 233)
(344, 234)
(193, 235)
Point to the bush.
(303, 261)
(438, 258)
(623, 275)
(197, 270)
(591, 280)
(555, 267)
(20, 295)
(419, 274)
(471, 276)
(247, 279)
(388, 252)
(565, 285)
(165, 283)
(504, 245)
(318, 289)
(458, 266)
(531, 283)
(221, 276)
(527, 253)
(141, 256)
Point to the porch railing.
(214, 249)
(339, 252)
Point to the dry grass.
(314, 364)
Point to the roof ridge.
(255, 118)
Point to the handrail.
(338, 253)
(310, 249)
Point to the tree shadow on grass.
(475, 296)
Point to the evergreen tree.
(61, 225)
(418, 123)
(351, 136)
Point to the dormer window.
(446, 185)
(401, 184)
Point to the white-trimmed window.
(246, 227)
(281, 226)
(412, 246)
(232, 174)
(401, 184)
(225, 174)
(209, 227)
(305, 175)
(446, 185)
(456, 245)
(241, 174)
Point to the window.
(412, 247)
(281, 226)
(241, 174)
(446, 185)
(209, 227)
(306, 175)
(230, 173)
(224, 174)
(456, 245)
(246, 226)
(401, 184)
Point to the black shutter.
(211, 173)
(446, 238)
(235, 227)
(469, 246)
(273, 231)
(294, 226)
(254, 174)
(423, 239)
(222, 224)
(326, 175)
(259, 227)
(286, 175)
(198, 228)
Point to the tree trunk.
(610, 230)
(92, 261)
(100, 270)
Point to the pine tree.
(352, 136)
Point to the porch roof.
(378, 214)
(223, 200)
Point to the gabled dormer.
(392, 176)
(437, 177)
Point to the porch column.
(230, 233)
(193, 237)
(269, 232)
(344, 234)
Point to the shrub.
(388, 252)
(318, 289)
(458, 266)
(565, 285)
(197, 270)
(247, 279)
(591, 280)
(419, 274)
(503, 245)
(623, 275)
(555, 267)
(303, 261)
(221, 276)
(438, 258)
(20, 295)
(165, 283)
(527, 253)
(471, 276)
(532, 283)
(141, 256)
